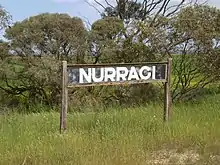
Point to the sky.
(21, 9)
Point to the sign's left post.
(64, 97)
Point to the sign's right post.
(167, 92)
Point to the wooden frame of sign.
(81, 75)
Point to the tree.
(37, 45)
(55, 34)
(146, 27)
(5, 18)
(157, 29)
(198, 62)
(104, 39)
(124, 10)
(142, 10)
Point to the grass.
(135, 136)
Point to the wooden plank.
(167, 93)
(64, 95)
(116, 83)
(115, 64)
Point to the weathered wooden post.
(64, 95)
(167, 92)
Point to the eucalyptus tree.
(157, 29)
(37, 46)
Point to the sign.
(91, 75)
(81, 75)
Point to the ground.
(115, 137)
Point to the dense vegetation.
(127, 32)
(122, 124)
(132, 136)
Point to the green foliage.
(5, 18)
(103, 39)
(35, 80)
(57, 35)
(107, 28)
(31, 70)
(103, 97)
(3, 50)
(152, 35)
(125, 10)
(119, 136)
(197, 64)
(128, 32)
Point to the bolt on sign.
(81, 75)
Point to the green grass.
(135, 136)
